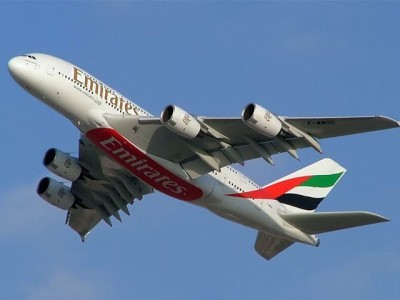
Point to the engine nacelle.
(261, 120)
(180, 122)
(55, 193)
(62, 164)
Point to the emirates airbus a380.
(126, 153)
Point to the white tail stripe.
(314, 192)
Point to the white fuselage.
(83, 99)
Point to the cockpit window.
(30, 56)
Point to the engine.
(261, 120)
(62, 164)
(55, 193)
(180, 122)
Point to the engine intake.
(62, 164)
(261, 120)
(180, 122)
(55, 193)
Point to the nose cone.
(21, 71)
(14, 67)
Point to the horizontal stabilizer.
(268, 246)
(313, 223)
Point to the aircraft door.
(50, 70)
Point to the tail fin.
(304, 189)
(307, 187)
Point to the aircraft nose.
(14, 66)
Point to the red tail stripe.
(275, 190)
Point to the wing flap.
(268, 246)
(313, 223)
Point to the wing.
(338, 126)
(223, 141)
(102, 191)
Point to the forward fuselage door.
(50, 70)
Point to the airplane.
(126, 153)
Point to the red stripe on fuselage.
(142, 166)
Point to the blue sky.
(211, 58)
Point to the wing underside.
(102, 191)
(224, 141)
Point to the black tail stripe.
(303, 202)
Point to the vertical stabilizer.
(304, 189)
(307, 187)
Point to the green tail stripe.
(322, 181)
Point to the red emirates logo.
(142, 166)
